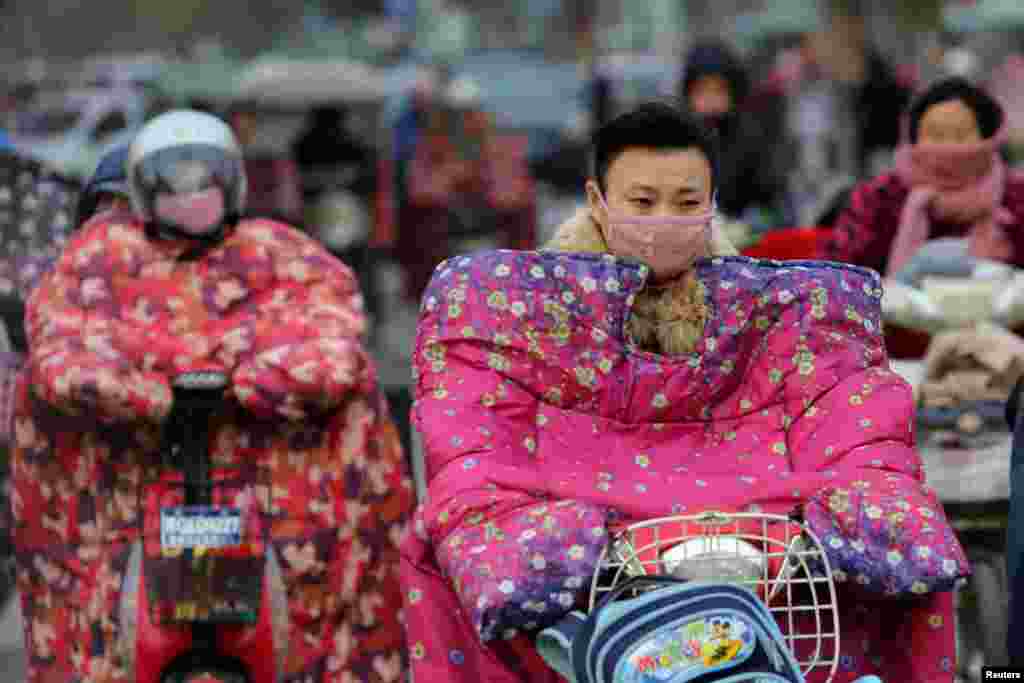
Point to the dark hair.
(328, 115)
(109, 178)
(654, 125)
(714, 58)
(986, 109)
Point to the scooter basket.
(792, 574)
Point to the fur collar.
(668, 320)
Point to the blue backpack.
(684, 631)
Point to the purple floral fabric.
(543, 424)
(37, 209)
(882, 542)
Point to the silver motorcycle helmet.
(186, 178)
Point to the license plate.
(199, 526)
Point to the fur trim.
(580, 234)
(666, 320)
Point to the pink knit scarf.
(952, 183)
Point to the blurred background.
(402, 132)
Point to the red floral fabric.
(121, 314)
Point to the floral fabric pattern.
(37, 209)
(543, 425)
(116, 318)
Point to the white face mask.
(196, 213)
(670, 245)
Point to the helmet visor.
(188, 187)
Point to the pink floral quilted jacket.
(323, 471)
(543, 425)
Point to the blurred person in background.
(414, 117)
(841, 56)
(423, 217)
(275, 188)
(497, 178)
(878, 95)
(843, 105)
(598, 92)
(339, 177)
(467, 189)
(949, 181)
(753, 167)
(599, 95)
(328, 155)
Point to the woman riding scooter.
(181, 285)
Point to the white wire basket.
(775, 556)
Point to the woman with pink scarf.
(949, 181)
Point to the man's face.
(711, 96)
(949, 122)
(650, 182)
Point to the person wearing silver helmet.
(186, 178)
(182, 283)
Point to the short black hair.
(655, 125)
(986, 109)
